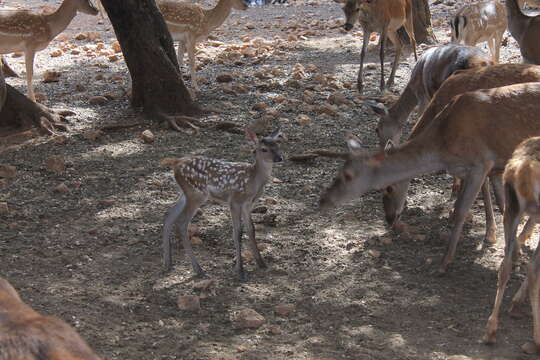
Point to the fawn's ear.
(377, 108)
(251, 136)
(353, 143)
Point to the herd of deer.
(478, 122)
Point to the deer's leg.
(191, 55)
(491, 227)
(498, 41)
(365, 42)
(521, 294)
(533, 272)
(184, 219)
(470, 188)
(456, 187)
(498, 191)
(512, 215)
(246, 215)
(525, 235)
(167, 234)
(409, 29)
(29, 62)
(397, 43)
(382, 42)
(236, 215)
(180, 53)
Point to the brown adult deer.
(479, 22)
(28, 335)
(384, 17)
(29, 32)
(522, 196)
(190, 23)
(237, 184)
(526, 30)
(394, 196)
(471, 138)
(433, 67)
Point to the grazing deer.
(28, 335)
(479, 22)
(522, 196)
(431, 70)
(237, 184)
(189, 23)
(30, 33)
(526, 30)
(395, 195)
(472, 137)
(384, 17)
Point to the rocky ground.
(80, 221)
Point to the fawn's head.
(267, 148)
(86, 7)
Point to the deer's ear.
(277, 135)
(251, 136)
(353, 143)
(377, 108)
(389, 147)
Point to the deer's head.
(388, 128)
(86, 7)
(239, 4)
(354, 179)
(351, 9)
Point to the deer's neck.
(517, 20)
(401, 110)
(410, 160)
(262, 172)
(217, 16)
(60, 19)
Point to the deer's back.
(475, 79)
(488, 124)
(27, 335)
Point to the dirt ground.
(92, 255)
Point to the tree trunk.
(148, 48)
(422, 24)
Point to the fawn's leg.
(246, 215)
(167, 234)
(236, 216)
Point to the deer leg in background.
(29, 62)
(384, 35)
(365, 42)
(397, 44)
(491, 227)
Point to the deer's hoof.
(489, 338)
